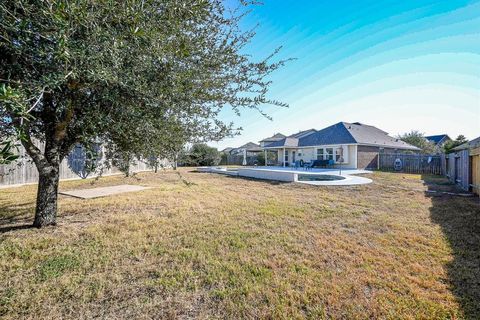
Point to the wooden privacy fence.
(457, 168)
(410, 163)
(24, 171)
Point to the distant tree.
(461, 139)
(261, 158)
(88, 70)
(200, 154)
(417, 139)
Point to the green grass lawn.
(212, 246)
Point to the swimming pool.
(319, 177)
(313, 177)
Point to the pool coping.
(291, 175)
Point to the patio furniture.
(322, 163)
(308, 165)
(297, 164)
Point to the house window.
(286, 155)
(320, 154)
(328, 153)
(338, 154)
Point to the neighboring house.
(244, 155)
(439, 141)
(463, 165)
(302, 134)
(250, 148)
(276, 137)
(358, 144)
(226, 150)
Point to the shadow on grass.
(459, 218)
(16, 227)
(15, 213)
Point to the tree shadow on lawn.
(16, 227)
(459, 218)
(16, 215)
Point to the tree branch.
(34, 153)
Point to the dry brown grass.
(225, 247)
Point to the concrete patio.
(102, 191)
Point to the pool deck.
(314, 170)
(290, 174)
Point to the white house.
(353, 145)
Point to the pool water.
(319, 177)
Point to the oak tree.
(127, 73)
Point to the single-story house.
(302, 134)
(249, 149)
(226, 150)
(246, 154)
(351, 145)
(439, 141)
(463, 166)
(274, 138)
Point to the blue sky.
(398, 65)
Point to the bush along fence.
(411, 163)
(24, 171)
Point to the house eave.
(389, 146)
(311, 146)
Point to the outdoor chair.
(308, 165)
(297, 164)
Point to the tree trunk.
(46, 210)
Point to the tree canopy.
(417, 139)
(448, 147)
(200, 154)
(144, 76)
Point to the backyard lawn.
(202, 245)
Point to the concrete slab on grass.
(103, 191)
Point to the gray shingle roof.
(346, 133)
(335, 134)
(275, 137)
(365, 134)
(250, 146)
(302, 133)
